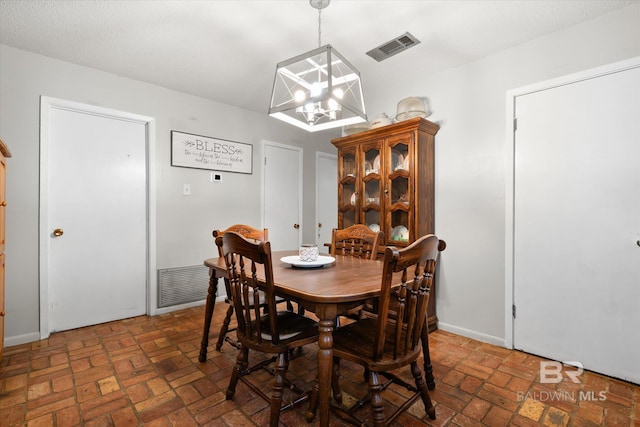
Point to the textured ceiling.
(227, 50)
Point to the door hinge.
(513, 310)
(515, 123)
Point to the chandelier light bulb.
(300, 96)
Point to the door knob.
(319, 225)
(296, 226)
(3, 203)
(58, 232)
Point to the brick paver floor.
(145, 371)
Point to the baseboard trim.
(35, 336)
(21, 339)
(472, 334)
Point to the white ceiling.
(227, 51)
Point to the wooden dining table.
(327, 291)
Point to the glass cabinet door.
(371, 185)
(347, 188)
(400, 190)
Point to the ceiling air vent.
(393, 47)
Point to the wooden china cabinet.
(386, 181)
(4, 153)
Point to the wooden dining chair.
(388, 342)
(271, 331)
(358, 241)
(250, 233)
(370, 310)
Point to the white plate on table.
(295, 261)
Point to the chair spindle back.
(250, 270)
(416, 264)
(356, 241)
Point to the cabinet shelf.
(349, 179)
(399, 173)
(347, 208)
(399, 206)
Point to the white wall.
(184, 224)
(469, 103)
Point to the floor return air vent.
(181, 285)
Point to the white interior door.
(326, 198)
(577, 224)
(283, 195)
(94, 227)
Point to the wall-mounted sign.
(202, 152)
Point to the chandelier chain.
(319, 27)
